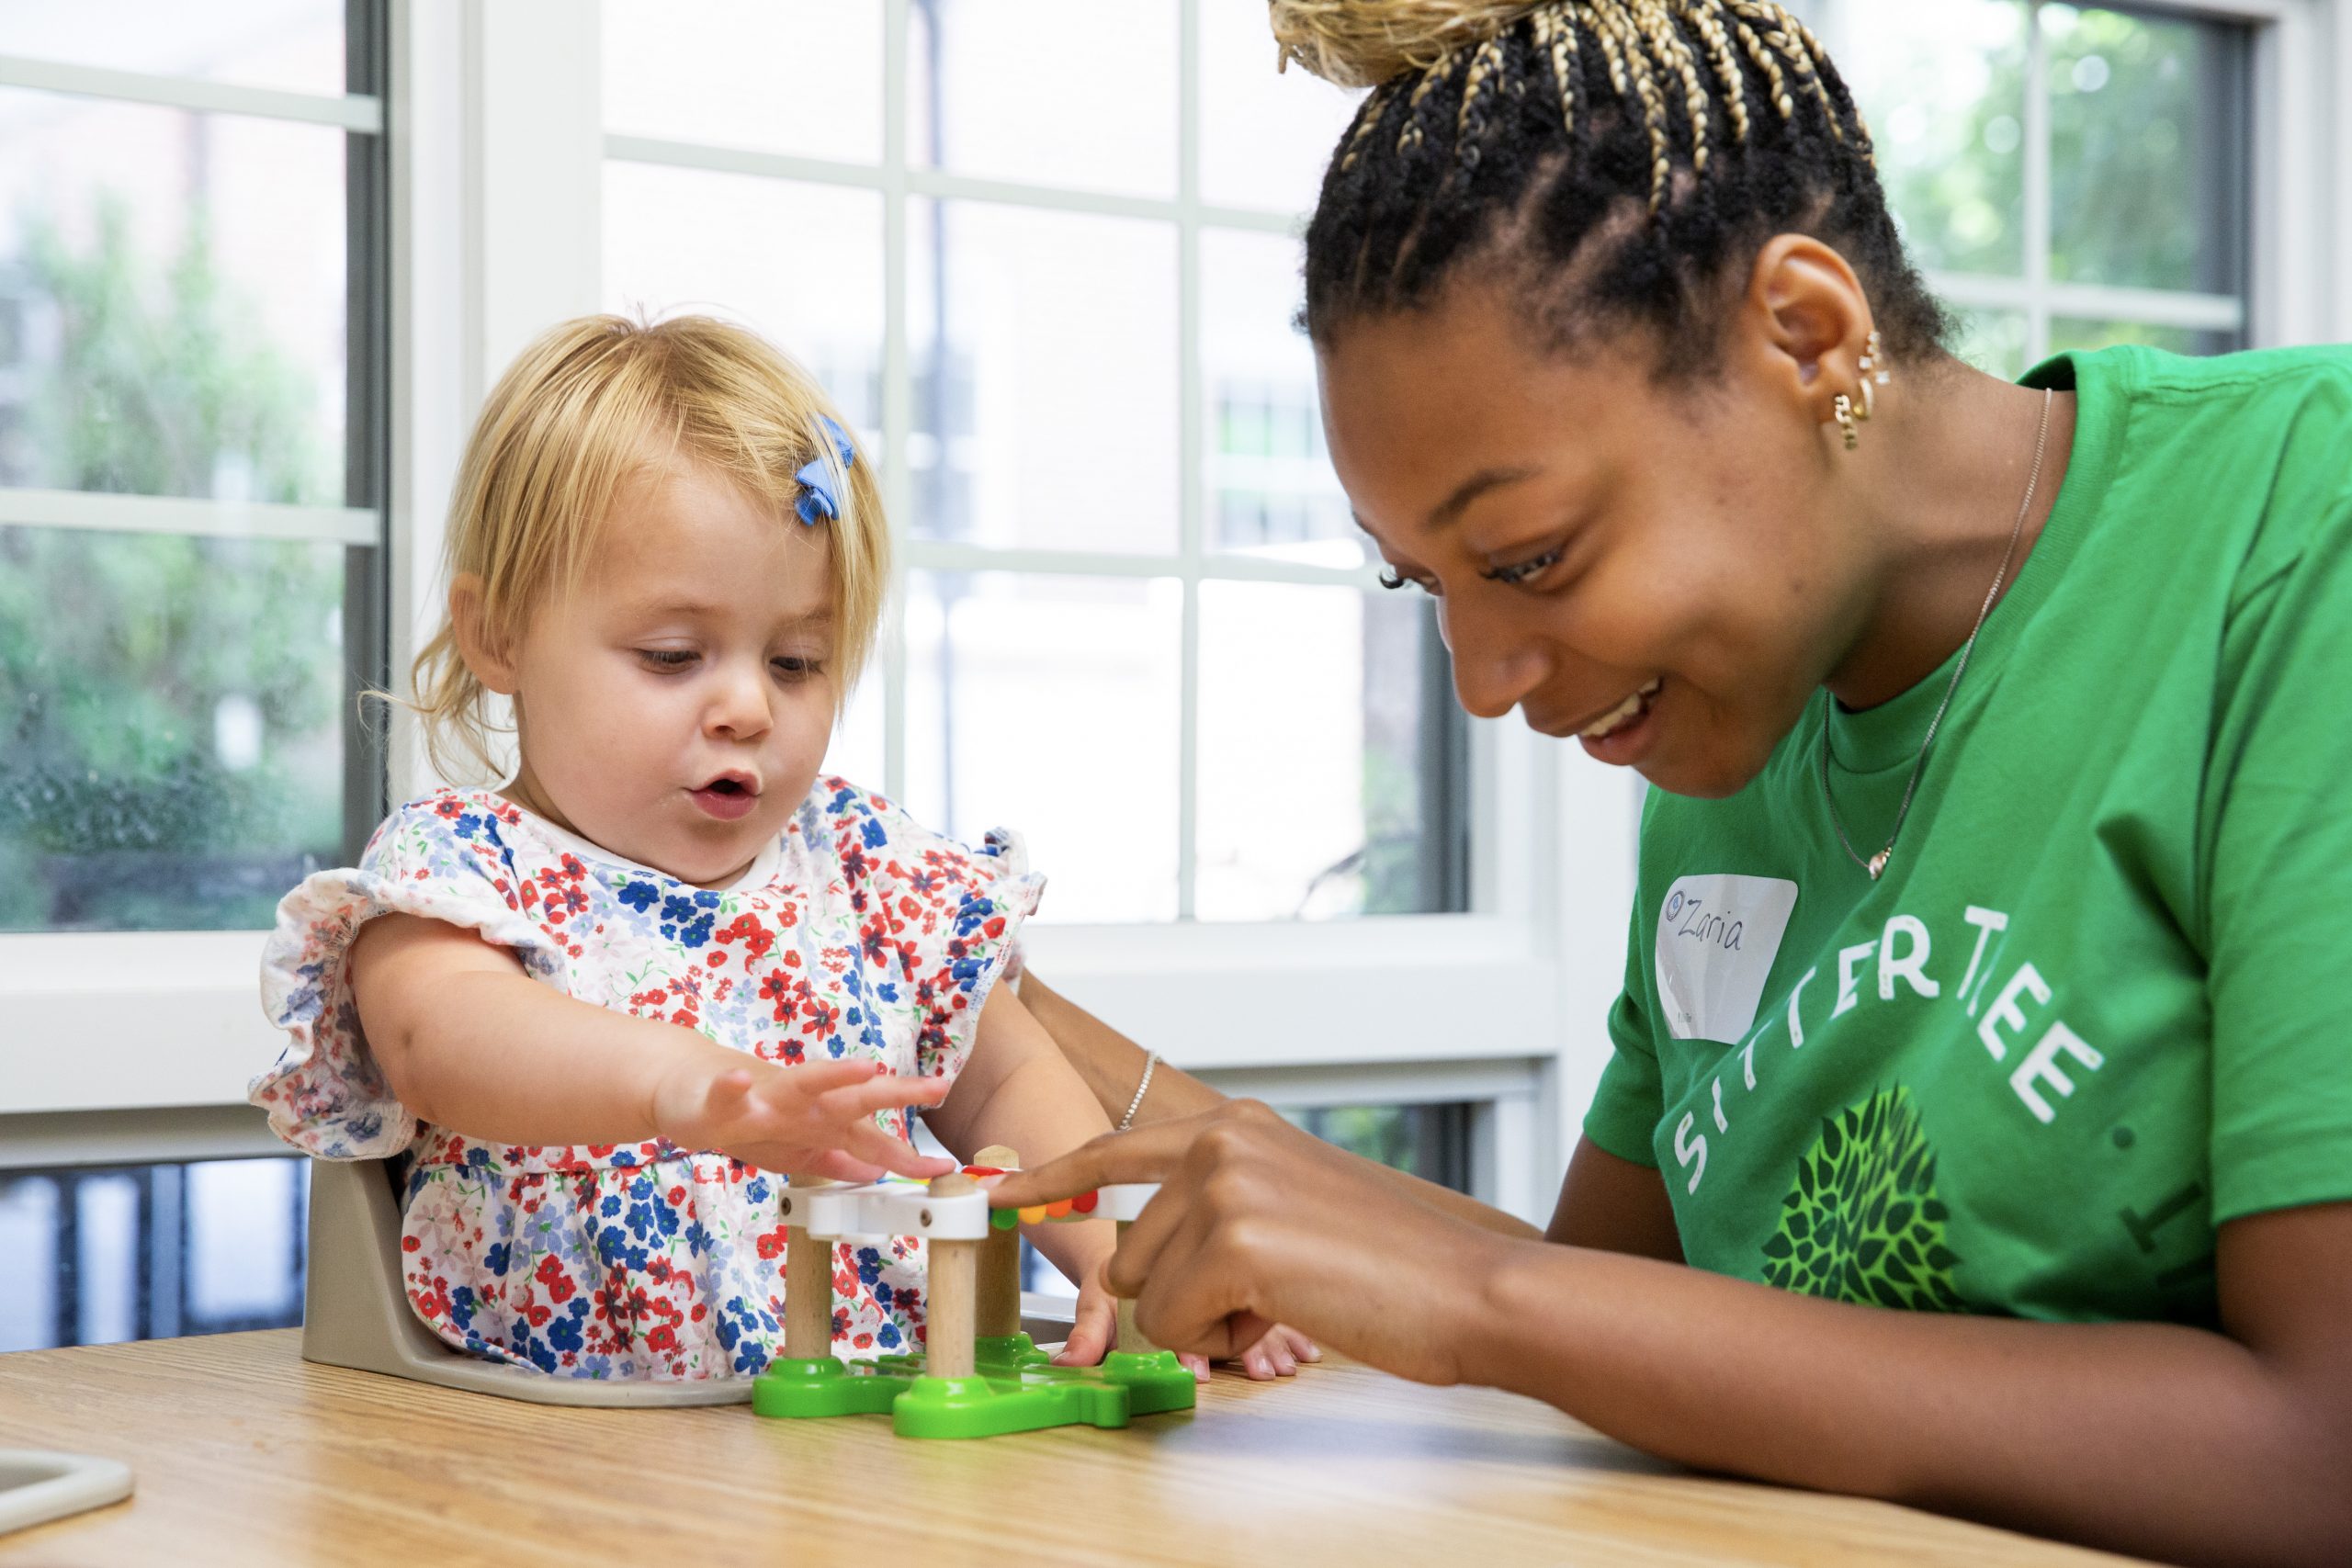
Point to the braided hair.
(1614, 162)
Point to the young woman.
(1979, 1131)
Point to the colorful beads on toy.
(979, 1170)
(1076, 1208)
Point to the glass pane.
(1431, 1142)
(172, 301)
(1048, 705)
(1993, 341)
(2148, 172)
(29, 1285)
(2072, 332)
(804, 79)
(1265, 138)
(1070, 93)
(98, 1257)
(1045, 353)
(858, 752)
(1942, 87)
(171, 727)
(296, 45)
(736, 245)
(1323, 762)
(1269, 486)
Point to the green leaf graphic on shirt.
(1862, 1223)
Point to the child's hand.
(1278, 1354)
(816, 1120)
(1095, 1328)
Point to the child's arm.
(1016, 1089)
(469, 1042)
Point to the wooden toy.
(978, 1374)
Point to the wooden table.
(248, 1456)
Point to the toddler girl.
(601, 1010)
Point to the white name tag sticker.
(1716, 939)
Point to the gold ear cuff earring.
(1843, 410)
(1873, 357)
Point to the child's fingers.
(859, 1101)
(1301, 1348)
(1196, 1365)
(867, 1142)
(841, 1167)
(812, 1080)
(1090, 1334)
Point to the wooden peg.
(998, 1308)
(808, 1282)
(954, 1267)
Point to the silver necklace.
(1877, 862)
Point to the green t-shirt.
(2101, 1001)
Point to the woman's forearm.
(1111, 1065)
(2156, 1439)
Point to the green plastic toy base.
(1018, 1390)
(1156, 1381)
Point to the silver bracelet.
(1150, 1062)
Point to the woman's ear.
(1813, 317)
(491, 663)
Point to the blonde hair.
(587, 407)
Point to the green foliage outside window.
(170, 747)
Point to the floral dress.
(857, 934)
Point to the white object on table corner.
(37, 1486)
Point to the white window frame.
(130, 1046)
(117, 1046)
(2301, 157)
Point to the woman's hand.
(816, 1120)
(1258, 1224)
(1094, 1329)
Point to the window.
(147, 1252)
(2071, 176)
(191, 440)
(1098, 430)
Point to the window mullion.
(1189, 446)
(897, 392)
(2037, 188)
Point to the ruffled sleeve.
(939, 923)
(443, 858)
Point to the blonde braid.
(1667, 43)
(1613, 19)
(1410, 137)
(1375, 109)
(1484, 61)
(1556, 36)
(1707, 21)
(1816, 66)
(1779, 30)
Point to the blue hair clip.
(818, 501)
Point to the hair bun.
(1362, 43)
